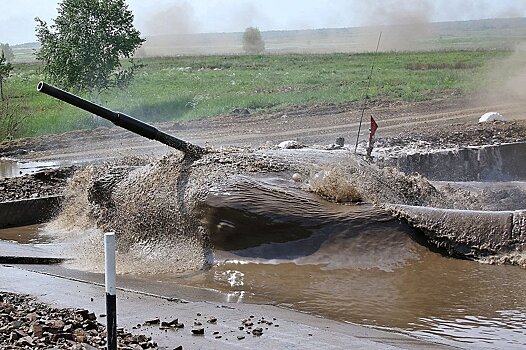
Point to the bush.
(253, 43)
(7, 52)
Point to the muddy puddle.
(279, 245)
(13, 168)
(355, 264)
(33, 234)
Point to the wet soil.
(41, 184)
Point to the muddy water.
(12, 168)
(277, 244)
(32, 234)
(355, 264)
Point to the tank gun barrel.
(123, 120)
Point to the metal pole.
(367, 93)
(111, 298)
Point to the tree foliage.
(82, 50)
(252, 41)
(7, 51)
(12, 119)
(5, 71)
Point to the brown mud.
(49, 182)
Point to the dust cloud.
(517, 78)
(505, 80)
(174, 19)
(169, 28)
(404, 25)
(511, 71)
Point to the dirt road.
(443, 122)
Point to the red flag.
(372, 131)
(373, 128)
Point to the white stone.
(296, 177)
(491, 117)
(288, 144)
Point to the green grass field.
(182, 88)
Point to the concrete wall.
(467, 233)
(505, 162)
(28, 211)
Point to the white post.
(111, 299)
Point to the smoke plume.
(404, 25)
(174, 19)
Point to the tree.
(5, 71)
(7, 51)
(81, 51)
(252, 41)
(10, 121)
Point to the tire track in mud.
(390, 126)
(310, 125)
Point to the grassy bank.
(182, 88)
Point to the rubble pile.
(49, 182)
(28, 324)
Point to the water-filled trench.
(274, 242)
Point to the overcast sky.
(17, 23)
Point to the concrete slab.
(16, 253)
(295, 330)
(28, 211)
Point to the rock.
(240, 337)
(175, 324)
(17, 324)
(491, 117)
(13, 337)
(21, 333)
(68, 328)
(212, 319)
(83, 313)
(332, 147)
(297, 177)
(25, 341)
(89, 325)
(152, 322)
(257, 331)
(54, 326)
(32, 316)
(290, 144)
(165, 325)
(340, 141)
(198, 331)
